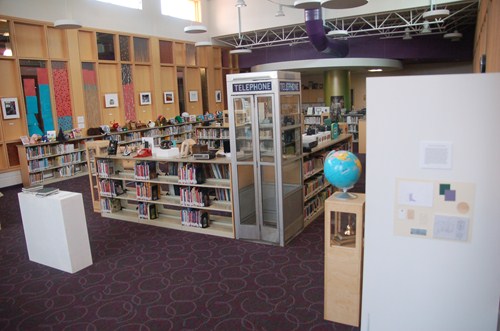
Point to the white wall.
(428, 284)
(358, 79)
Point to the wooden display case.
(344, 224)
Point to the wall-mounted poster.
(168, 97)
(218, 96)
(193, 96)
(111, 100)
(10, 108)
(145, 98)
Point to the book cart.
(177, 193)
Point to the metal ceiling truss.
(395, 24)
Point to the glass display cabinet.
(266, 155)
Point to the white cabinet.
(55, 229)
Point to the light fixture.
(240, 51)
(7, 51)
(342, 4)
(240, 3)
(426, 27)
(67, 23)
(280, 12)
(375, 70)
(407, 35)
(203, 43)
(435, 14)
(307, 4)
(195, 28)
(453, 36)
(338, 33)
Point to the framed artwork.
(193, 96)
(111, 100)
(168, 97)
(10, 108)
(145, 98)
(218, 96)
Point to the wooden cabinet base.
(343, 259)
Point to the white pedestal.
(55, 229)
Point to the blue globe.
(342, 169)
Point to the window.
(186, 9)
(135, 4)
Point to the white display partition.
(55, 229)
(415, 276)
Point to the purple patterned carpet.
(150, 278)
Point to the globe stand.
(344, 195)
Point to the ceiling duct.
(317, 36)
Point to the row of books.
(68, 158)
(206, 133)
(147, 191)
(217, 171)
(194, 197)
(110, 205)
(194, 218)
(105, 168)
(314, 183)
(147, 210)
(311, 165)
(190, 174)
(66, 171)
(313, 205)
(145, 170)
(110, 188)
(48, 150)
(223, 194)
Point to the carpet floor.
(150, 278)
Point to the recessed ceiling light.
(67, 24)
(342, 4)
(195, 29)
(435, 14)
(240, 51)
(307, 4)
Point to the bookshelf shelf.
(178, 193)
(53, 161)
(316, 187)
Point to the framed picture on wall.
(10, 108)
(218, 96)
(145, 98)
(193, 96)
(111, 100)
(168, 97)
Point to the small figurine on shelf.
(60, 136)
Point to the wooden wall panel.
(169, 84)
(193, 83)
(109, 82)
(87, 46)
(30, 40)
(143, 84)
(493, 37)
(58, 48)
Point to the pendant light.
(342, 4)
(242, 50)
(434, 14)
(67, 23)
